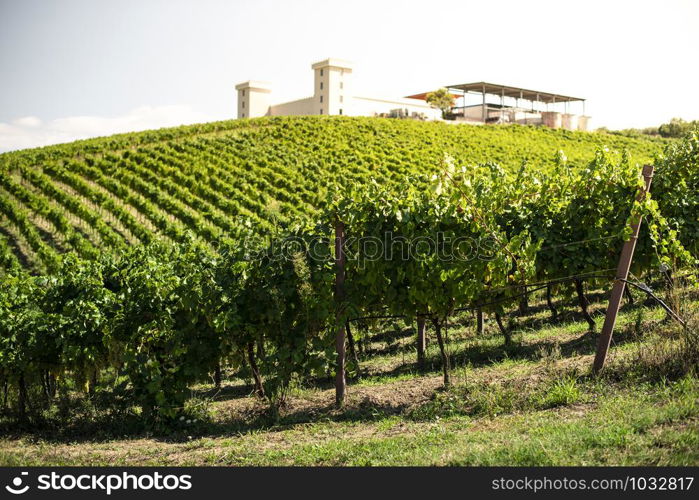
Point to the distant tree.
(442, 100)
(676, 128)
(631, 132)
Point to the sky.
(73, 69)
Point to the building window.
(340, 110)
(321, 98)
(342, 85)
(341, 98)
(321, 85)
(243, 115)
(242, 105)
(321, 111)
(321, 72)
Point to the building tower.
(332, 92)
(253, 99)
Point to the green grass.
(619, 429)
(644, 425)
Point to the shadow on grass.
(108, 426)
(480, 355)
(567, 313)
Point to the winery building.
(475, 103)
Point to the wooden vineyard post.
(622, 274)
(421, 341)
(340, 382)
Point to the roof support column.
(502, 105)
(525, 115)
(483, 110)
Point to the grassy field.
(532, 403)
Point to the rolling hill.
(212, 179)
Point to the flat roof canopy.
(507, 91)
(423, 96)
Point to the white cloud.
(30, 131)
(27, 121)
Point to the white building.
(477, 103)
(332, 95)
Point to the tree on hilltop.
(442, 100)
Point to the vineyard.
(215, 180)
(137, 269)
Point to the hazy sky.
(80, 68)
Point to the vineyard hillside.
(213, 180)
